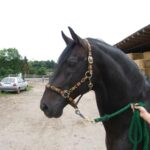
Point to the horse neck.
(117, 82)
(117, 79)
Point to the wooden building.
(137, 47)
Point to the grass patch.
(29, 88)
(4, 94)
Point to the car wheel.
(18, 90)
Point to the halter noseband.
(87, 77)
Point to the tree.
(41, 71)
(10, 62)
(41, 67)
(10, 54)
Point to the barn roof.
(136, 42)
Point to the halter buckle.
(90, 59)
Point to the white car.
(11, 84)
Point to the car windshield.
(8, 80)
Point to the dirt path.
(23, 126)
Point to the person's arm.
(143, 113)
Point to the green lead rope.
(138, 131)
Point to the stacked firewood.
(143, 61)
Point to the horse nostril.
(43, 107)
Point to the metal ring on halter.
(66, 94)
(88, 74)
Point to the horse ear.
(66, 39)
(76, 38)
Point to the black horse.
(92, 64)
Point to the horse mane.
(116, 55)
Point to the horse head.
(72, 77)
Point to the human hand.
(143, 112)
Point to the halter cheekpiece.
(87, 77)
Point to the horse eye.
(71, 63)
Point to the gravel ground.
(23, 126)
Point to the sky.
(34, 26)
